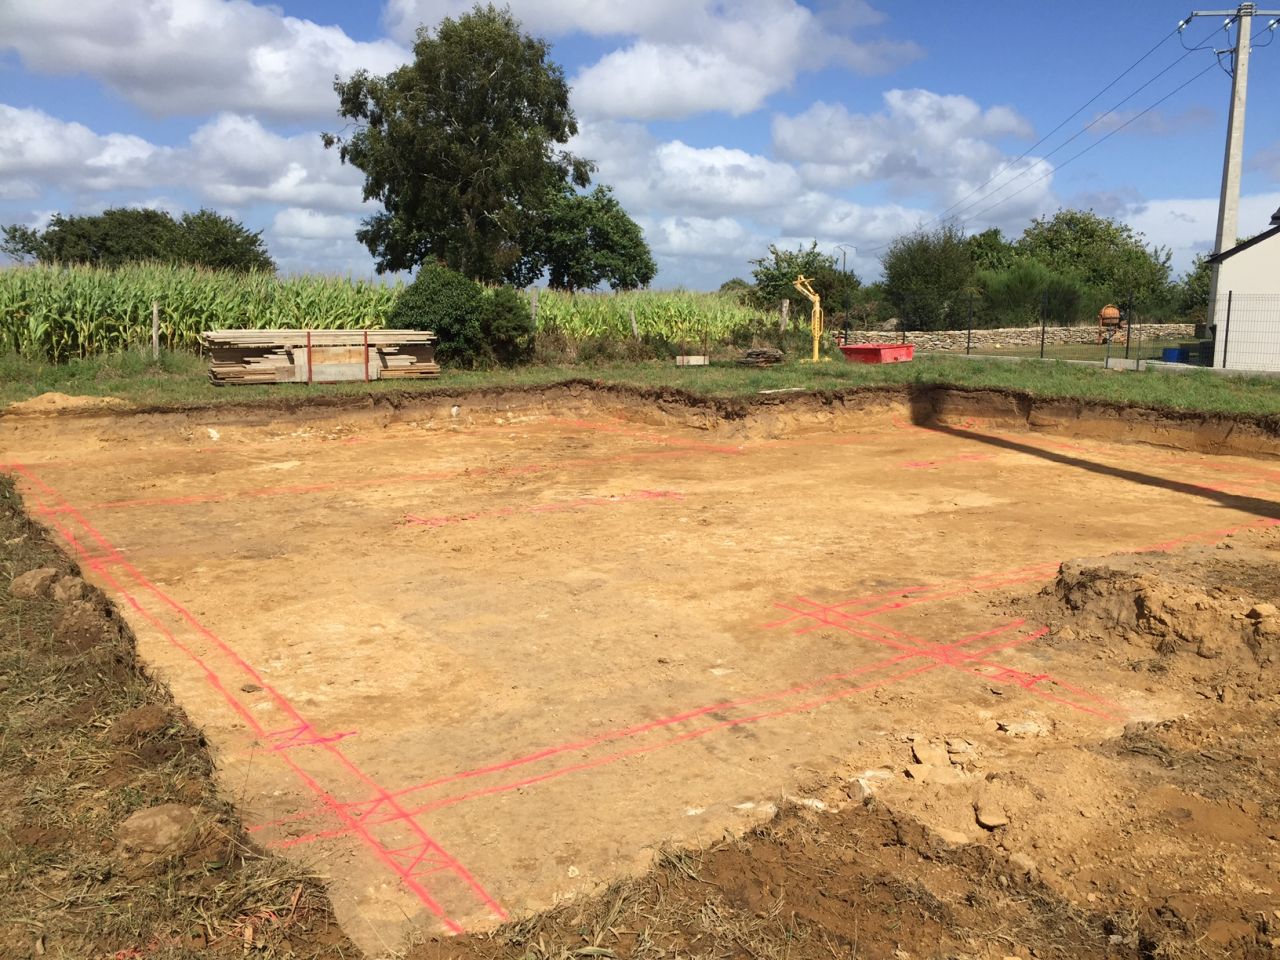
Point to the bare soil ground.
(471, 660)
(114, 841)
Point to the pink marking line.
(556, 506)
(623, 429)
(965, 661)
(303, 736)
(913, 648)
(932, 652)
(45, 507)
(942, 461)
(375, 482)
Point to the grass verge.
(86, 741)
(178, 379)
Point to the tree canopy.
(929, 276)
(122, 235)
(775, 273)
(584, 240)
(463, 148)
(1101, 253)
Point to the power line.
(1027, 170)
(1022, 156)
(1096, 143)
(1079, 133)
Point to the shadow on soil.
(924, 415)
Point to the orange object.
(1109, 318)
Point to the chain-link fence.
(1245, 331)
(1115, 335)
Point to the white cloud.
(231, 161)
(690, 56)
(193, 56)
(921, 138)
(1188, 225)
(302, 224)
(1157, 123)
(241, 162)
(37, 150)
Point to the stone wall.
(1019, 337)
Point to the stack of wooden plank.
(319, 356)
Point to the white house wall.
(1251, 338)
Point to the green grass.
(178, 379)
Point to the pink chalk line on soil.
(555, 506)
(937, 654)
(849, 615)
(52, 505)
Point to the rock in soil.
(69, 589)
(990, 814)
(81, 625)
(156, 834)
(34, 583)
(1262, 611)
(930, 753)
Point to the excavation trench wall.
(764, 416)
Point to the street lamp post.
(844, 249)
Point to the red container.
(878, 352)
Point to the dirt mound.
(49, 404)
(1154, 609)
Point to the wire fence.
(1116, 336)
(1245, 331)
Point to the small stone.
(157, 834)
(990, 814)
(1262, 611)
(34, 583)
(959, 746)
(953, 837)
(69, 589)
(930, 754)
(1023, 863)
(1022, 728)
(859, 791)
(250, 688)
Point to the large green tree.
(584, 240)
(461, 147)
(929, 276)
(1099, 252)
(122, 235)
(776, 272)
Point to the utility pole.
(1233, 158)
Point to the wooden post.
(786, 315)
(635, 331)
(533, 304)
(155, 329)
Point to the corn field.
(679, 316)
(57, 313)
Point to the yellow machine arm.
(805, 285)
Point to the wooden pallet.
(318, 356)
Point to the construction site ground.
(474, 659)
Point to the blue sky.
(723, 126)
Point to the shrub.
(508, 324)
(446, 302)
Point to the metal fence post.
(1128, 332)
(968, 343)
(1044, 319)
(1226, 331)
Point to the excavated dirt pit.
(472, 659)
